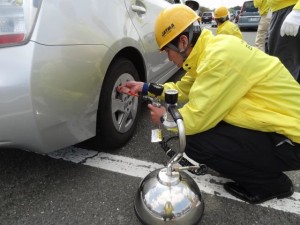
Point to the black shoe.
(239, 192)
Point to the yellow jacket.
(262, 6)
(229, 28)
(229, 80)
(280, 4)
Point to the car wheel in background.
(117, 113)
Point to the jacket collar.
(190, 64)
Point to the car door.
(143, 14)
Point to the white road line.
(137, 168)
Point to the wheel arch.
(136, 58)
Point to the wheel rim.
(124, 107)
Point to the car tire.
(117, 113)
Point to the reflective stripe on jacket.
(229, 80)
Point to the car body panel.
(162, 64)
(52, 84)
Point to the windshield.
(249, 9)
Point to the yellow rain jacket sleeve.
(280, 4)
(262, 6)
(229, 80)
(229, 28)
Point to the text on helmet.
(168, 29)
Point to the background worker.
(224, 25)
(284, 35)
(242, 110)
(263, 26)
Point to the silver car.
(61, 62)
(249, 16)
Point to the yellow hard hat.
(221, 12)
(171, 22)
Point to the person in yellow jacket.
(224, 25)
(241, 107)
(264, 22)
(284, 36)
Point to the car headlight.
(17, 18)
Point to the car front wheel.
(117, 113)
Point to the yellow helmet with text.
(221, 12)
(171, 22)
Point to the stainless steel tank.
(169, 196)
(162, 199)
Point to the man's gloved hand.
(290, 25)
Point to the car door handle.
(138, 9)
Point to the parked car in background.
(206, 17)
(61, 62)
(249, 16)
